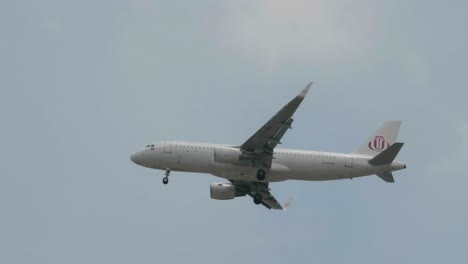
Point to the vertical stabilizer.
(382, 139)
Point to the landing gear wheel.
(257, 198)
(165, 180)
(261, 175)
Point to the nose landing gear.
(165, 180)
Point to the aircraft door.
(168, 147)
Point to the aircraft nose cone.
(135, 158)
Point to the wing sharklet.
(305, 90)
(287, 203)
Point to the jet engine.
(231, 156)
(222, 191)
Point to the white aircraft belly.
(278, 172)
(310, 167)
(318, 169)
(188, 160)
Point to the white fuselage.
(287, 164)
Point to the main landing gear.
(166, 179)
(261, 174)
(257, 199)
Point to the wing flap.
(269, 201)
(252, 188)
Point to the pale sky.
(84, 84)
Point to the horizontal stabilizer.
(387, 156)
(386, 176)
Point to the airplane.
(250, 167)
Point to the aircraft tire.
(165, 180)
(257, 198)
(261, 175)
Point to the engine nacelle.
(227, 155)
(231, 156)
(222, 191)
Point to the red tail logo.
(378, 144)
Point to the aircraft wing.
(264, 141)
(252, 188)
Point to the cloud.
(53, 25)
(275, 29)
(441, 187)
(464, 143)
(416, 67)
